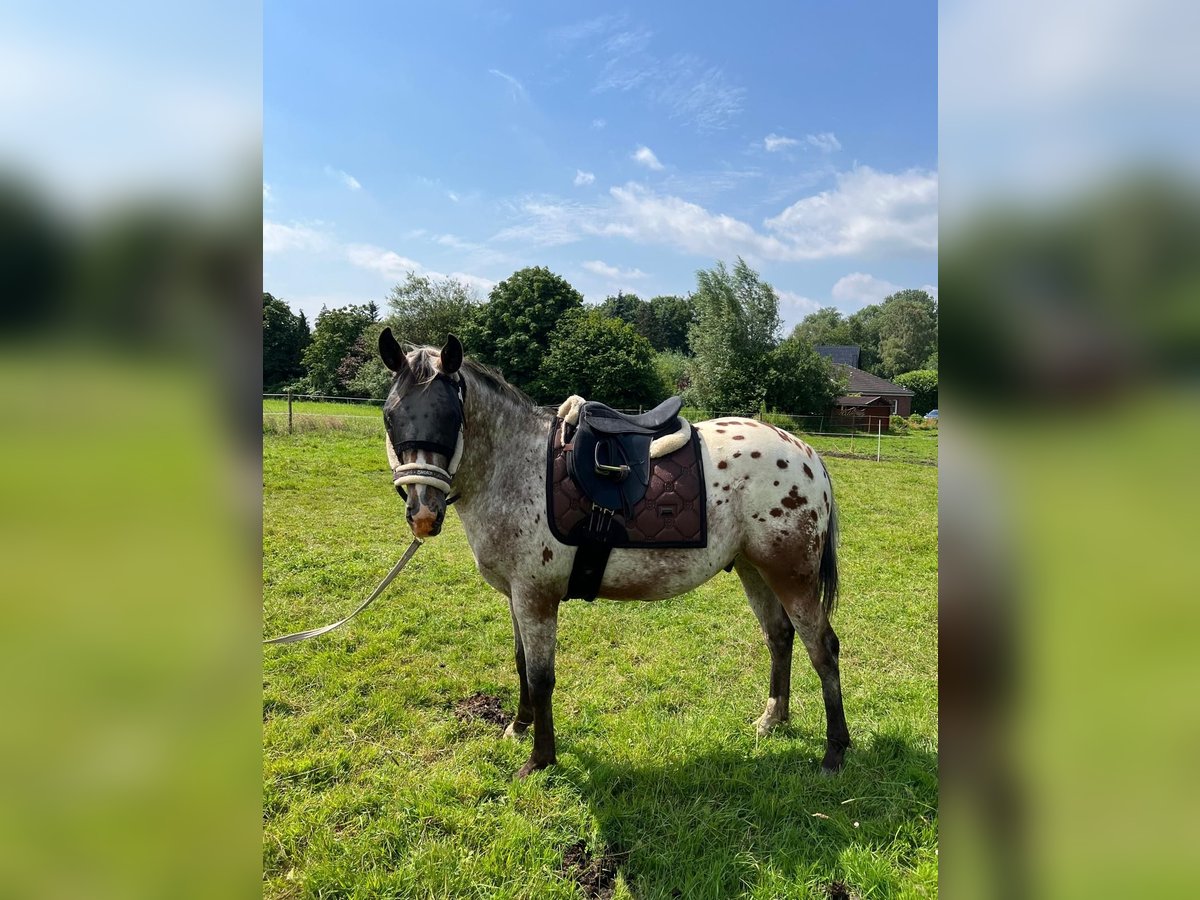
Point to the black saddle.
(609, 455)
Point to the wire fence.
(855, 437)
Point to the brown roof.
(861, 382)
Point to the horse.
(458, 432)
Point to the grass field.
(375, 787)
(917, 446)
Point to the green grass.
(373, 788)
(917, 446)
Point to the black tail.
(827, 578)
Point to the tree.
(670, 318)
(674, 372)
(825, 326)
(599, 358)
(924, 384)
(512, 330)
(907, 332)
(802, 381)
(864, 331)
(736, 327)
(285, 335)
(629, 308)
(424, 310)
(333, 339)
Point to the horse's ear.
(452, 355)
(391, 354)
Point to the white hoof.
(771, 717)
(511, 733)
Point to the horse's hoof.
(512, 732)
(530, 767)
(833, 762)
(765, 724)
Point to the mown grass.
(373, 787)
(919, 446)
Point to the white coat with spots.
(771, 512)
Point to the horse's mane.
(479, 376)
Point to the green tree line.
(721, 346)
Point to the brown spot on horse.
(739, 437)
(723, 464)
(776, 512)
(755, 454)
(808, 471)
(736, 455)
(782, 463)
(813, 514)
(547, 555)
(793, 499)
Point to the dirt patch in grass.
(839, 890)
(481, 708)
(595, 875)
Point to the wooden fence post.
(289, 411)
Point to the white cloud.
(452, 195)
(646, 217)
(645, 156)
(388, 263)
(280, 238)
(773, 142)
(859, 289)
(612, 273)
(598, 124)
(867, 212)
(267, 195)
(344, 177)
(826, 141)
(685, 86)
(583, 178)
(931, 290)
(803, 305)
(516, 90)
(394, 267)
(697, 93)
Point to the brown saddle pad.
(671, 515)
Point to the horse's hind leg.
(524, 717)
(801, 600)
(779, 633)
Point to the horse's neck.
(500, 441)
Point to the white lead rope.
(387, 579)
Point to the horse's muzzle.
(425, 511)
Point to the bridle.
(406, 474)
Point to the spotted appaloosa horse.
(770, 511)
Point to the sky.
(624, 148)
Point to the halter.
(404, 474)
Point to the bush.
(898, 425)
(924, 384)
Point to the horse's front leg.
(524, 717)
(536, 617)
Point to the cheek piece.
(438, 409)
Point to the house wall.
(868, 418)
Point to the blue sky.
(624, 148)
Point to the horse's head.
(424, 419)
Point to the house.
(869, 400)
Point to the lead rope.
(387, 579)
